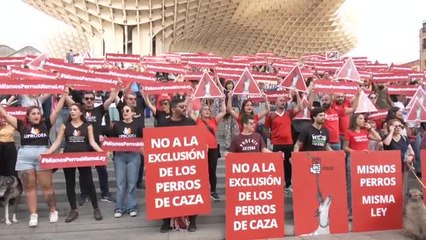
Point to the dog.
(10, 188)
(322, 216)
(415, 215)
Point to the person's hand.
(101, 138)
(391, 128)
(367, 126)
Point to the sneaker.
(107, 198)
(192, 227)
(133, 213)
(215, 196)
(72, 215)
(33, 220)
(82, 200)
(165, 228)
(97, 214)
(118, 214)
(288, 190)
(53, 216)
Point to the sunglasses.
(181, 106)
(125, 111)
(165, 103)
(373, 97)
(131, 99)
(89, 98)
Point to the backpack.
(179, 223)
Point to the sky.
(388, 30)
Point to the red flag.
(349, 72)
(207, 88)
(247, 84)
(294, 80)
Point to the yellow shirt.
(7, 133)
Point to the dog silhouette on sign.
(322, 213)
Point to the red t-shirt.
(331, 123)
(281, 128)
(211, 139)
(344, 119)
(357, 140)
(240, 125)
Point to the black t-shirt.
(184, 122)
(34, 134)
(94, 116)
(161, 117)
(401, 145)
(140, 110)
(77, 139)
(314, 139)
(127, 130)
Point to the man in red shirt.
(331, 122)
(278, 128)
(344, 109)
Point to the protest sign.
(177, 182)
(254, 195)
(122, 144)
(75, 159)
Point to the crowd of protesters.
(330, 124)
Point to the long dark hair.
(352, 123)
(80, 107)
(392, 115)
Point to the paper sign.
(122, 144)
(75, 159)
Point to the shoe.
(53, 216)
(289, 190)
(33, 220)
(133, 213)
(72, 215)
(192, 227)
(140, 186)
(107, 198)
(165, 228)
(215, 196)
(97, 214)
(82, 200)
(118, 214)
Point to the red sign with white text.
(376, 190)
(177, 182)
(254, 195)
(18, 112)
(125, 58)
(170, 87)
(31, 87)
(319, 197)
(327, 86)
(75, 159)
(24, 73)
(122, 144)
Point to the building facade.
(224, 27)
(422, 37)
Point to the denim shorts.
(28, 157)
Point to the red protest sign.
(349, 72)
(31, 87)
(61, 66)
(207, 88)
(294, 80)
(169, 87)
(364, 104)
(407, 90)
(75, 159)
(246, 84)
(24, 73)
(304, 113)
(319, 197)
(122, 144)
(423, 170)
(132, 76)
(104, 80)
(177, 181)
(125, 58)
(420, 95)
(254, 195)
(18, 112)
(417, 112)
(327, 86)
(11, 61)
(376, 190)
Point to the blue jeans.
(416, 148)
(127, 166)
(336, 146)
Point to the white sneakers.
(53, 216)
(33, 220)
